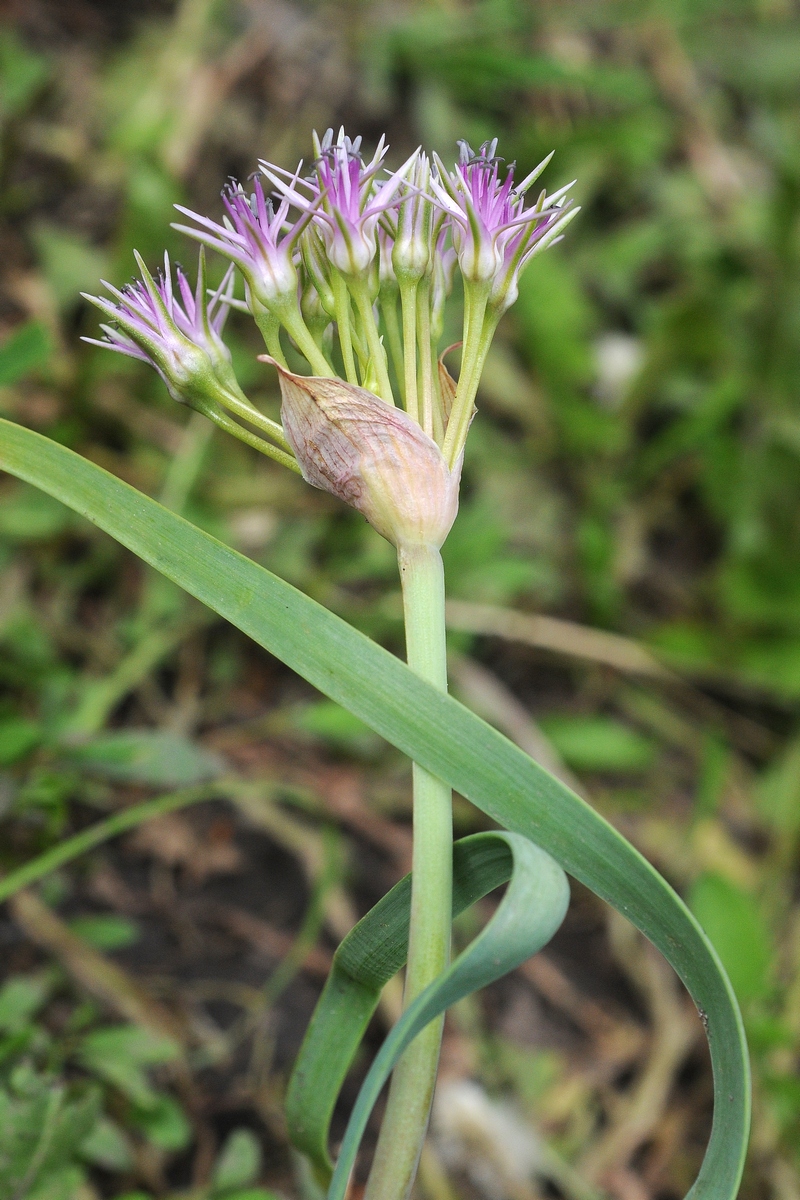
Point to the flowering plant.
(326, 264)
(347, 270)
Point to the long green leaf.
(437, 732)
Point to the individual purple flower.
(493, 232)
(415, 235)
(518, 249)
(343, 198)
(259, 238)
(199, 315)
(179, 334)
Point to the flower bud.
(372, 456)
(444, 268)
(314, 314)
(387, 280)
(411, 253)
(317, 270)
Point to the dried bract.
(372, 456)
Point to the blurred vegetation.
(635, 468)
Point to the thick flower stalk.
(348, 269)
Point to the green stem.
(119, 822)
(270, 329)
(361, 349)
(289, 315)
(429, 415)
(344, 325)
(251, 439)
(408, 1108)
(479, 330)
(439, 415)
(302, 337)
(273, 339)
(408, 303)
(240, 406)
(376, 350)
(393, 336)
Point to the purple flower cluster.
(327, 256)
(493, 233)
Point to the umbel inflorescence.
(353, 265)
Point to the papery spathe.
(371, 455)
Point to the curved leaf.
(437, 732)
(373, 951)
(531, 911)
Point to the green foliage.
(22, 74)
(107, 932)
(107, 1146)
(237, 1167)
(120, 1054)
(239, 1162)
(27, 349)
(163, 1122)
(29, 516)
(17, 738)
(71, 265)
(337, 728)
(151, 757)
(778, 796)
(41, 1123)
(20, 999)
(256, 1193)
(733, 923)
(555, 320)
(599, 744)
(52, 1124)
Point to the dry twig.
(491, 699)
(675, 1029)
(104, 980)
(562, 637)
